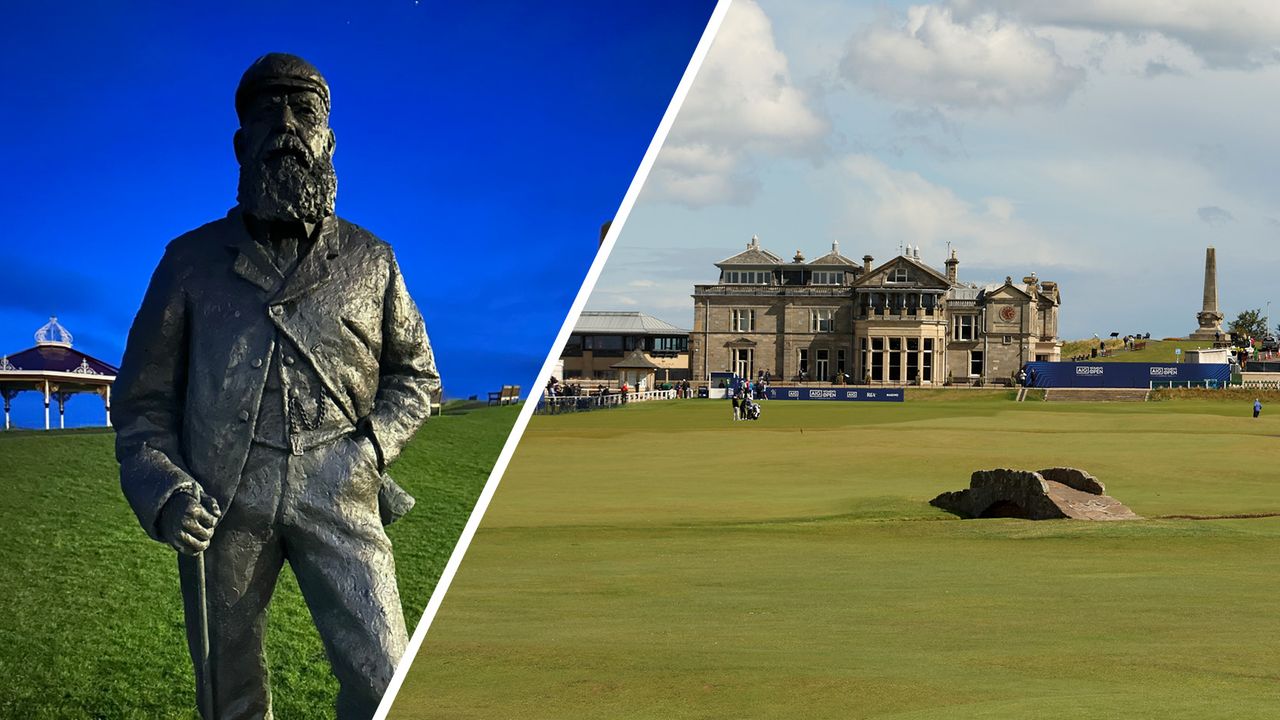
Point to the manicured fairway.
(661, 561)
(90, 613)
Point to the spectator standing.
(1257, 407)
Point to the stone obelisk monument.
(1209, 318)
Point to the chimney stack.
(866, 263)
(953, 266)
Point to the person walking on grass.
(1257, 407)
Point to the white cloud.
(1224, 33)
(900, 206)
(933, 59)
(697, 174)
(743, 102)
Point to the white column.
(46, 404)
(108, 404)
(62, 412)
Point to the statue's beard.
(286, 187)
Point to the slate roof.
(633, 361)
(835, 258)
(866, 278)
(624, 323)
(997, 287)
(56, 358)
(753, 255)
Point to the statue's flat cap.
(277, 70)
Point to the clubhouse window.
(746, 277)
(603, 342)
(975, 363)
(822, 320)
(913, 359)
(926, 361)
(669, 344)
(742, 320)
(823, 364)
(828, 277)
(963, 327)
(877, 359)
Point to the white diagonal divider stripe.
(522, 420)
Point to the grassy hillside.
(90, 613)
(1156, 351)
(662, 561)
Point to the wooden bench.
(508, 395)
(511, 395)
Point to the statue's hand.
(187, 523)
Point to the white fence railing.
(578, 403)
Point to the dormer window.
(828, 277)
(899, 275)
(746, 277)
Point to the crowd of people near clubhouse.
(558, 389)
(1128, 342)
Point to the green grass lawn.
(661, 561)
(1156, 351)
(90, 612)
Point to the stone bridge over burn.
(1053, 493)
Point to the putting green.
(662, 561)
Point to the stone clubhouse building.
(900, 323)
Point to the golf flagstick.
(206, 676)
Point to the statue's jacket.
(196, 361)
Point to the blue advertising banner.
(848, 394)
(1121, 374)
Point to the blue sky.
(487, 142)
(1102, 145)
